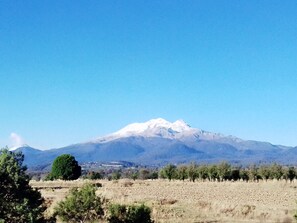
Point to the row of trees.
(192, 172)
(225, 171)
(66, 167)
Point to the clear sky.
(74, 70)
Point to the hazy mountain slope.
(159, 141)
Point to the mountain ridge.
(157, 142)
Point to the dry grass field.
(179, 201)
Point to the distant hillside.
(158, 142)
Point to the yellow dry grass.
(179, 201)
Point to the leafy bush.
(19, 202)
(92, 175)
(65, 167)
(129, 214)
(116, 175)
(80, 205)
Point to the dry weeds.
(179, 201)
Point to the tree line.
(225, 171)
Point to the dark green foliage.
(116, 175)
(265, 172)
(212, 172)
(253, 173)
(169, 171)
(224, 170)
(129, 214)
(202, 172)
(182, 172)
(92, 175)
(276, 171)
(154, 175)
(65, 167)
(80, 205)
(192, 172)
(134, 175)
(244, 175)
(235, 174)
(289, 174)
(19, 202)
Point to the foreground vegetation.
(20, 202)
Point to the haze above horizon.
(71, 71)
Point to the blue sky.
(74, 70)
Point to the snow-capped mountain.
(161, 128)
(157, 142)
(14, 148)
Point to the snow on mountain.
(158, 142)
(161, 128)
(14, 148)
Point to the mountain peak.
(17, 147)
(162, 128)
(157, 127)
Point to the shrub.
(116, 175)
(92, 175)
(129, 214)
(19, 202)
(65, 167)
(80, 205)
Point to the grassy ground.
(179, 201)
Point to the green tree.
(80, 205)
(182, 172)
(170, 171)
(65, 167)
(244, 175)
(276, 171)
(202, 172)
(129, 214)
(192, 172)
(212, 172)
(235, 173)
(253, 173)
(19, 202)
(224, 170)
(289, 173)
(264, 172)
